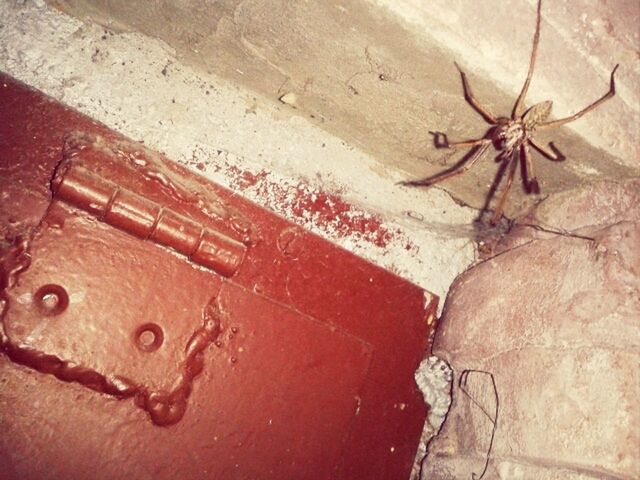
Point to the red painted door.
(155, 325)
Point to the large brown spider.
(511, 136)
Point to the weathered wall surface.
(380, 74)
(365, 82)
(555, 322)
(137, 86)
(580, 43)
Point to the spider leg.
(530, 180)
(471, 100)
(536, 39)
(512, 171)
(604, 98)
(554, 154)
(458, 169)
(445, 143)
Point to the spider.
(511, 136)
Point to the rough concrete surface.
(360, 84)
(138, 87)
(555, 321)
(580, 43)
(380, 74)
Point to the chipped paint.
(283, 163)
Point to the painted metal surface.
(155, 325)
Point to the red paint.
(121, 358)
(145, 219)
(308, 206)
(328, 212)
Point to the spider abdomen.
(537, 114)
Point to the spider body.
(508, 135)
(512, 136)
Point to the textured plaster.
(558, 330)
(580, 43)
(380, 74)
(137, 86)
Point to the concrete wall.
(379, 74)
(317, 110)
